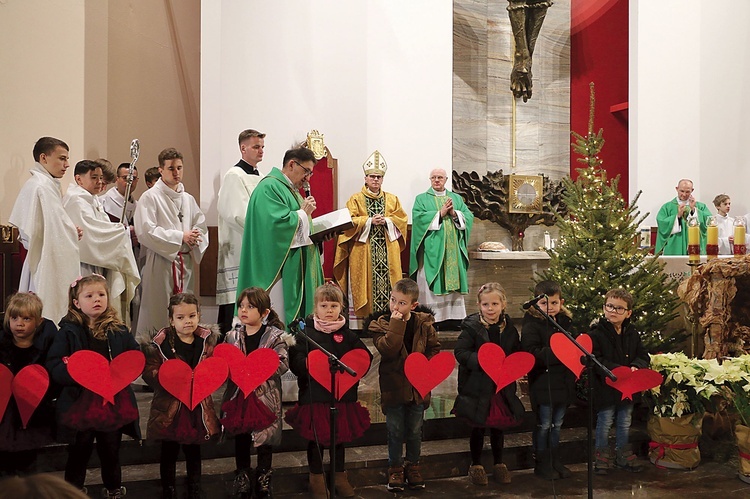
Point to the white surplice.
(51, 239)
(169, 262)
(234, 195)
(112, 201)
(104, 244)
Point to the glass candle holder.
(694, 240)
(712, 238)
(739, 236)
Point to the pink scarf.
(328, 327)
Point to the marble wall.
(483, 103)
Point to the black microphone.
(296, 326)
(306, 187)
(533, 301)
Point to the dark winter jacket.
(550, 382)
(41, 425)
(70, 339)
(310, 391)
(388, 337)
(268, 392)
(164, 406)
(475, 388)
(608, 351)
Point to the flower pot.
(674, 441)
(742, 433)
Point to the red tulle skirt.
(500, 415)
(188, 427)
(311, 420)
(244, 415)
(14, 438)
(91, 412)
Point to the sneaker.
(626, 460)
(395, 479)
(477, 474)
(500, 473)
(263, 484)
(413, 476)
(241, 484)
(603, 461)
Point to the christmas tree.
(597, 249)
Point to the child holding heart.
(477, 400)
(171, 420)
(616, 343)
(255, 419)
(310, 417)
(24, 341)
(83, 416)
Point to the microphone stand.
(335, 365)
(591, 361)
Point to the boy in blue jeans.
(551, 384)
(616, 343)
(404, 330)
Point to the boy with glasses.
(615, 343)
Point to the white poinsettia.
(688, 384)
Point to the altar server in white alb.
(105, 247)
(46, 231)
(172, 231)
(234, 194)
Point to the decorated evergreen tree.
(597, 250)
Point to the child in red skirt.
(24, 340)
(310, 417)
(83, 416)
(477, 401)
(170, 421)
(256, 420)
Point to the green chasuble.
(270, 225)
(443, 252)
(676, 244)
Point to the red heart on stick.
(6, 384)
(424, 374)
(29, 387)
(501, 369)
(92, 371)
(317, 365)
(248, 373)
(630, 382)
(568, 353)
(192, 386)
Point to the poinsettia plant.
(688, 384)
(735, 375)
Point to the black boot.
(263, 488)
(557, 465)
(168, 493)
(242, 486)
(543, 468)
(194, 490)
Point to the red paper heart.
(568, 353)
(248, 373)
(92, 371)
(6, 384)
(29, 387)
(630, 382)
(317, 365)
(501, 369)
(192, 386)
(424, 374)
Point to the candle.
(694, 235)
(712, 242)
(739, 240)
(694, 244)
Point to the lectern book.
(333, 222)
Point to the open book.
(333, 222)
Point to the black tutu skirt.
(13, 438)
(245, 415)
(311, 420)
(91, 412)
(499, 417)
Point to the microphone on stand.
(533, 301)
(296, 326)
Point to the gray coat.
(269, 392)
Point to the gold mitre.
(315, 143)
(375, 164)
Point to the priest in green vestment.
(277, 253)
(672, 221)
(439, 256)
